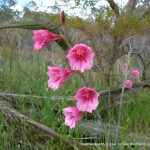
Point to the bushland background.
(112, 31)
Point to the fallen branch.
(109, 93)
(94, 128)
(104, 94)
(35, 96)
(98, 128)
(12, 113)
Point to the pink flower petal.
(87, 99)
(72, 116)
(57, 76)
(135, 73)
(43, 37)
(128, 84)
(80, 57)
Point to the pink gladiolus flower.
(57, 76)
(72, 116)
(128, 84)
(135, 73)
(42, 38)
(80, 57)
(125, 66)
(87, 99)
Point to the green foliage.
(129, 25)
(6, 53)
(104, 19)
(5, 10)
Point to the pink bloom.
(87, 99)
(125, 66)
(42, 38)
(72, 116)
(128, 84)
(135, 73)
(57, 76)
(80, 57)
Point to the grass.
(21, 75)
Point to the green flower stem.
(121, 98)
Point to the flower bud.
(62, 17)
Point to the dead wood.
(130, 7)
(110, 93)
(42, 129)
(145, 13)
(12, 112)
(114, 7)
(104, 94)
(98, 128)
(94, 128)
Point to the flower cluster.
(80, 58)
(87, 101)
(134, 73)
